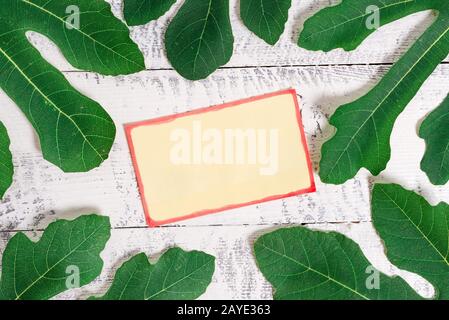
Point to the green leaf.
(178, 275)
(6, 165)
(364, 126)
(199, 39)
(266, 18)
(416, 234)
(435, 131)
(40, 270)
(138, 12)
(75, 132)
(345, 25)
(310, 265)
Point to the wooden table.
(42, 193)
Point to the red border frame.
(131, 126)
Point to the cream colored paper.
(182, 173)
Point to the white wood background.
(41, 193)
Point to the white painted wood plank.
(385, 46)
(236, 274)
(42, 192)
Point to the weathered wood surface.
(42, 193)
(384, 46)
(236, 274)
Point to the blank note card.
(222, 157)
